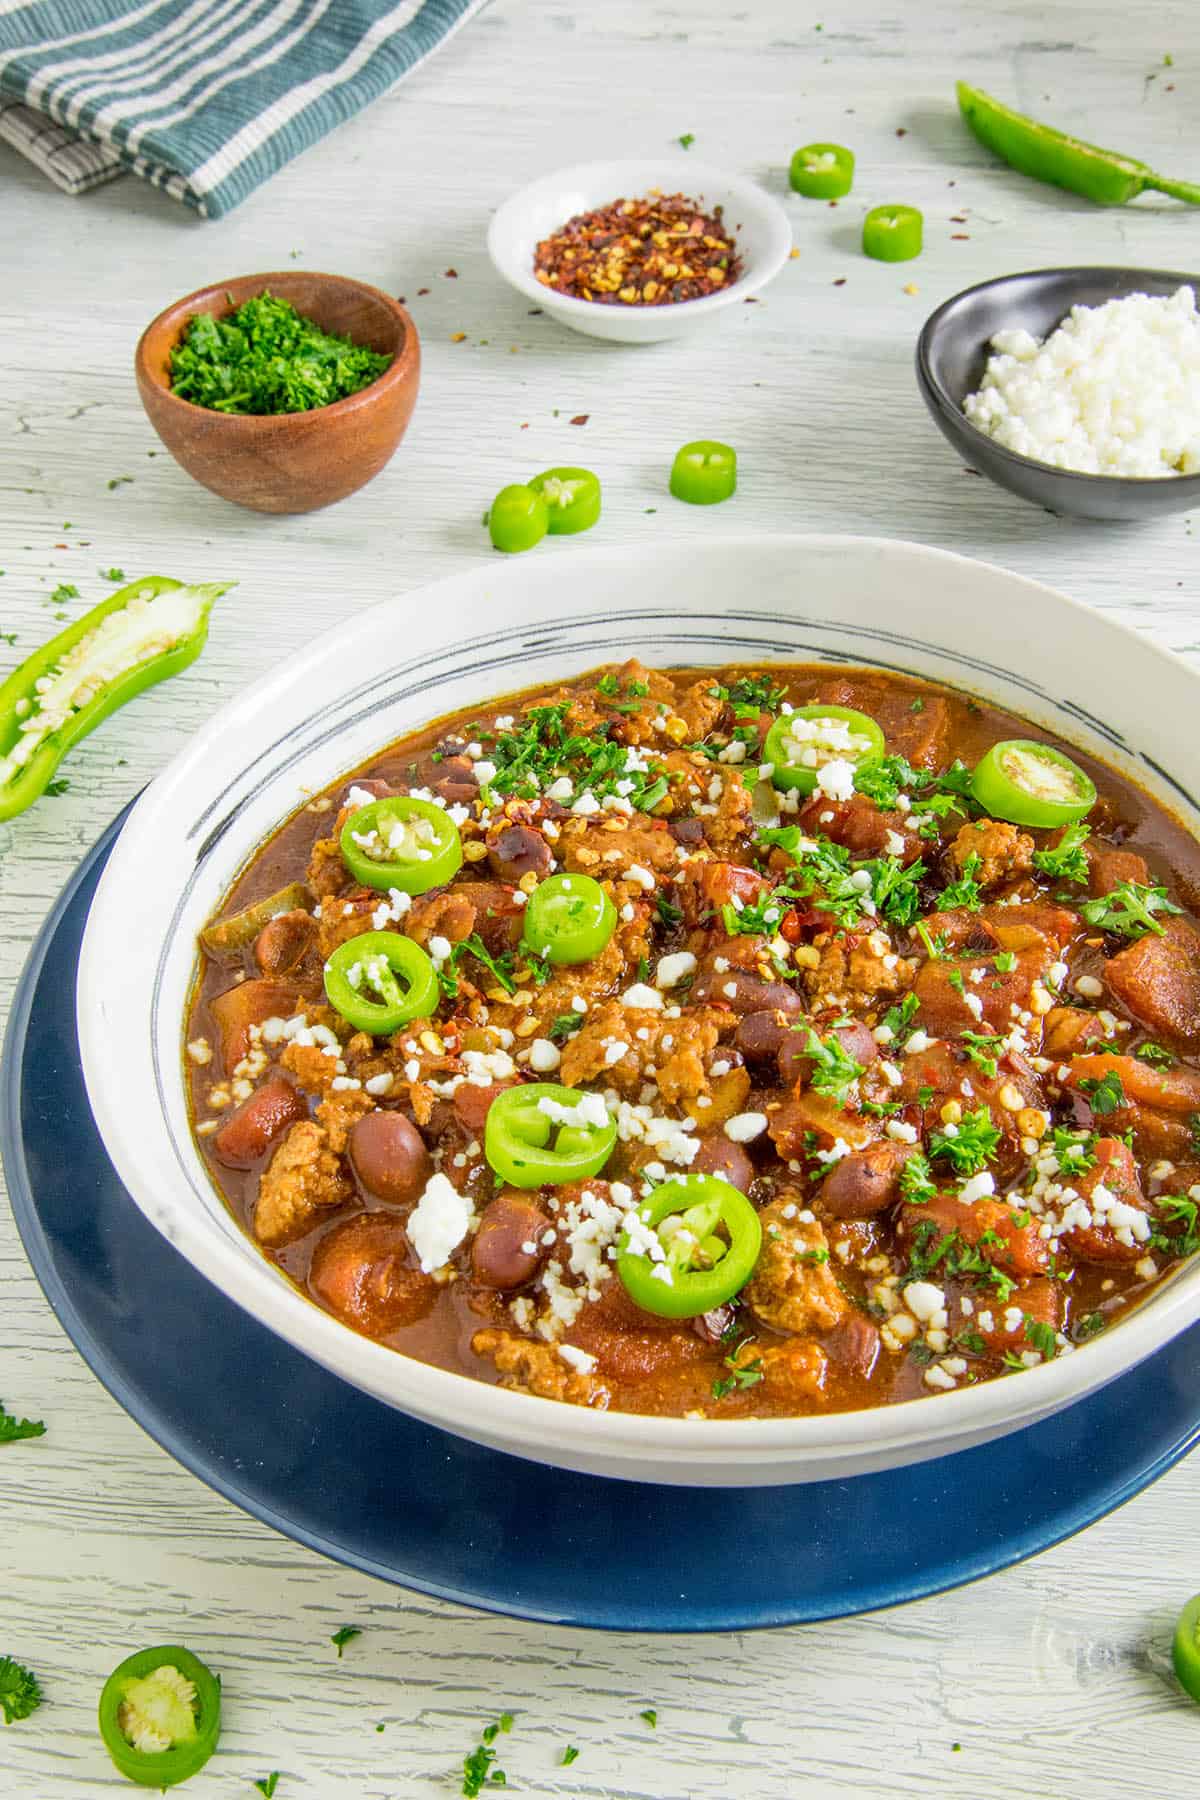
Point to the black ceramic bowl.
(953, 349)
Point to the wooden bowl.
(287, 462)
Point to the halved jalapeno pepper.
(695, 1248)
(521, 1122)
(401, 842)
(1185, 1651)
(1028, 783)
(380, 980)
(568, 919)
(572, 499)
(704, 472)
(160, 1715)
(799, 744)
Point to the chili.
(699, 1250)
(1028, 783)
(521, 1121)
(704, 472)
(145, 632)
(568, 919)
(372, 962)
(572, 499)
(822, 171)
(1067, 162)
(403, 843)
(893, 233)
(796, 755)
(160, 1715)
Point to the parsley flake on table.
(66, 590)
(569, 1755)
(650, 1715)
(345, 1634)
(13, 1429)
(20, 1693)
(479, 1770)
(686, 139)
(113, 574)
(268, 1784)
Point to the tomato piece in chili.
(572, 499)
(568, 919)
(1185, 1651)
(893, 233)
(518, 518)
(1027, 783)
(160, 1715)
(704, 472)
(380, 980)
(521, 1122)
(799, 744)
(401, 842)
(822, 171)
(695, 1246)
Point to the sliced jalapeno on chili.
(1185, 1651)
(401, 842)
(893, 233)
(518, 518)
(160, 1715)
(695, 1247)
(799, 744)
(822, 171)
(380, 980)
(568, 919)
(704, 472)
(541, 1134)
(140, 635)
(1028, 783)
(572, 498)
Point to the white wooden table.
(1053, 1678)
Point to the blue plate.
(319, 1461)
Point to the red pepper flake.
(535, 312)
(958, 218)
(581, 418)
(902, 131)
(959, 237)
(422, 291)
(840, 282)
(655, 251)
(525, 426)
(750, 300)
(451, 274)
(402, 298)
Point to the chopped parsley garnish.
(268, 1784)
(530, 759)
(758, 918)
(757, 691)
(1066, 861)
(113, 574)
(969, 1145)
(1088, 1326)
(20, 1693)
(499, 967)
(1129, 910)
(884, 781)
(1155, 1055)
(265, 357)
(1042, 1336)
(1105, 1094)
(920, 1353)
(60, 785)
(917, 1185)
(984, 1049)
(668, 912)
(824, 869)
(953, 1255)
(894, 888)
(1073, 1153)
(1004, 961)
(955, 979)
(564, 1026)
(1178, 1209)
(685, 141)
(934, 942)
(13, 1429)
(345, 1634)
(834, 1071)
(899, 1019)
(965, 891)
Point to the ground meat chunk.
(700, 707)
(327, 873)
(852, 971)
(729, 831)
(469, 906)
(793, 1288)
(1004, 851)
(530, 1368)
(339, 1112)
(1158, 979)
(676, 1048)
(313, 1067)
(302, 1180)
(345, 916)
(610, 846)
(792, 1374)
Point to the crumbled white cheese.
(438, 1223)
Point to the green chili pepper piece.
(892, 233)
(785, 744)
(1028, 783)
(519, 518)
(140, 635)
(695, 1269)
(704, 472)
(522, 1121)
(361, 982)
(401, 842)
(822, 171)
(160, 1715)
(1066, 162)
(572, 498)
(568, 919)
(1185, 1651)
(241, 928)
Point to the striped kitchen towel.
(204, 98)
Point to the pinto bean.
(499, 1258)
(853, 1345)
(388, 1155)
(360, 1271)
(742, 991)
(473, 1103)
(864, 1183)
(517, 850)
(761, 1035)
(249, 1131)
(283, 940)
(719, 1155)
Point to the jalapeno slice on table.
(518, 518)
(1185, 1651)
(696, 1246)
(400, 842)
(704, 472)
(568, 919)
(822, 171)
(572, 499)
(1027, 783)
(522, 1121)
(799, 744)
(893, 233)
(160, 1715)
(380, 980)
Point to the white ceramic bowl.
(759, 224)
(466, 641)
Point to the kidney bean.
(743, 992)
(761, 1035)
(473, 1103)
(499, 1258)
(865, 1182)
(250, 1130)
(853, 1345)
(856, 1039)
(388, 1155)
(516, 850)
(719, 1155)
(686, 831)
(360, 1271)
(283, 940)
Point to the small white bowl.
(759, 225)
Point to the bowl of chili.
(267, 432)
(642, 250)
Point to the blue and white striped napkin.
(204, 98)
